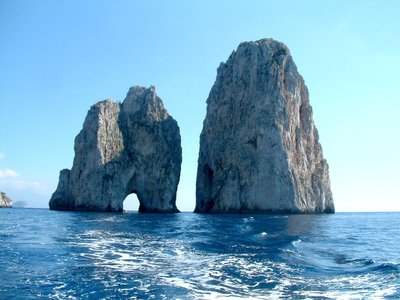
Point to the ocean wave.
(193, 270)
(189, 256)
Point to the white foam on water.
(296, 243)
(173, 263)
(247, 220)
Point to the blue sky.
(57, 58)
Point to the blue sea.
(76, 255)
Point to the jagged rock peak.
(124, 148)
(146, 102)
(259, 148)
(5, 201)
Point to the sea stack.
(123, 148)
(5, 201)
(259, 148)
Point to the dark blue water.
(71, 255)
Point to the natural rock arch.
(123, 148)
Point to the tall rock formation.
(259, 149)
(5, 201)
(124, 148)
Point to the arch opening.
(131, 203)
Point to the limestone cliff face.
(5, 201)
(259, 149)
(124, 148)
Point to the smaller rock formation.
(5, 201)
(20, 204)
(123, 148)
(259, 148)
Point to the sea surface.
(76, 255)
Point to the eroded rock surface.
(5, 201)
(123, 148)
(259, 148)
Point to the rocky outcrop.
(259, 148)
(5, 201)
(123, 148)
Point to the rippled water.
(60, 255)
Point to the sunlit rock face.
(259, 148)
(5, 201)
(124, 148)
